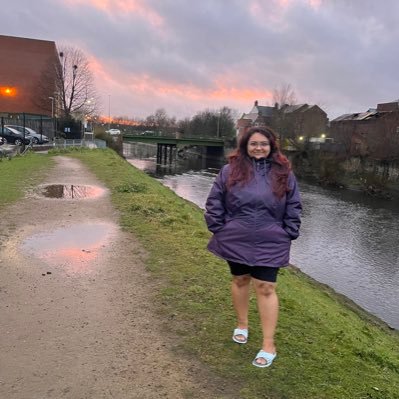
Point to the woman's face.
(258, 146)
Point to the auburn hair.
(241, 167)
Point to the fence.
(44, 125)
(96, 143)
(12, 150)
(41, 124)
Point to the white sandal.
(243, 332)
(269, 357)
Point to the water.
(75, 248)
(71, 191)
(348, 240)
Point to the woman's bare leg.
(268, 310)
(240, 287)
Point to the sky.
(186, 56)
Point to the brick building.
(373, 134)
(27, 78)
(258, 116)
(293, 121)
(289, 121)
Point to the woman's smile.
(258, 146)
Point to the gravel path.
(77, 314)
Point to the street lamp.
(109, 111)
(52, 114)
(218, 125)
(88, 116)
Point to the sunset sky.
(186, 56)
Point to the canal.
(348, 240)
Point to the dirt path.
(78, 319)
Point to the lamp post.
(218, 125)
(88, 119)
(52, 114)
(109, 111)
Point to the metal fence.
(44, 125)
(96, 143)
(12, 150)
(39, 123)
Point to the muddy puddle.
(74, 248)
(71, 191)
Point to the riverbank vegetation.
(375, 178)
(326, 349)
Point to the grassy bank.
(19, 173)
(325, 349)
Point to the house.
(27, 75)
(373, 133)
(301, 120)
(258, 116)
(289, 121)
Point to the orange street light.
(8, 91)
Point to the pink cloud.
(221, 90)
(112, 7)
(227, 89)
(315, 4)
(275, 10)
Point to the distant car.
(37, 138)
(13, 136)
(113, 132)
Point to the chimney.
(256, 103)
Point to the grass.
(20, 173)
(325, 348)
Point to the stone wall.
(375, 177)
(382, 169)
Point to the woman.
(253, 211)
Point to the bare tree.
(211, 123)
(161, 122)
(227, 118)
(75, 92)
(46, 86)
(183, 126)
(284, 94)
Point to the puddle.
(75, 248)
(71, 191)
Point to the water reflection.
(348, 240)
(71, 191)
(143, 156)
(74, 248)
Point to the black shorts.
(264, 273)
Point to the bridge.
(182, 141)
(167, 146)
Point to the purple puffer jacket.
(250, 225)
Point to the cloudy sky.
(186, 55)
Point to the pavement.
(78, 314)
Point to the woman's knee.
(242, 281)
(265, 288)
